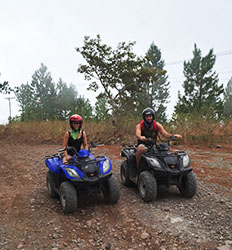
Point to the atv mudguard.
(129, 153)
(54, 164)
(100, 164)
(145, 165)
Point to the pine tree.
(228, 100)
(101, 108)
(66, 100)
(83, 108)
(44, 94)
(155, 94)
(42, 99)
(202, 94)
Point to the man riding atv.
(156, 164)
(149, 128)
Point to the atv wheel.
(68, 197)
(124, 173)
(147, 186)
(188, 186)
(111, 190)
(51, 180)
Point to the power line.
(223, 53)
(181, 77)
(226, 72)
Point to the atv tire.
(111, 190)
(147, 186)
(68, 197)
(188, 186)
(124, 173)
(51, 180)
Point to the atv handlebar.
(92, 145)
(149, 141)
(71, 149)
(172, 138)
(60, 151)
(52, 155)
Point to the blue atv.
(158, 166)
(84, 173)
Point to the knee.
(66, 159)
(141, 150)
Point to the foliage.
(228, 100)
(118, 72)
(101, 109)
(66, 100)
(155, 94)
(201, 90)
(83, 108)
(42, 99)
(195, 130)
(4, 88)
(38, 99)
(35, 132)
(24, 97)
(202, 130)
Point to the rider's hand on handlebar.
(143, 138)
(177, 136)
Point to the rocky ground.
(30, 219)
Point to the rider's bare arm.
(65, 142)
(85, 144)
(138, 133)
(165, 133)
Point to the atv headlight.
(106, 166)
(72, 172)
(154, 162)
(186, 161)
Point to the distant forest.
(127, 84)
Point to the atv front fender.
(53, 164)
(145, 164)
(125, 153)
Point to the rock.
(89, 223)
(145, 235)
(176, 219)
(228, 242)
(20, 246)
(108, 246)
(82, 212)
(225, 247)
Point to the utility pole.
(9, 98)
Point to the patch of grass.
(194, 131)
(35, 132)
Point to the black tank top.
(148, 133)
(75, 143)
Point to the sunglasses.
(76, 123)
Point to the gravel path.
(30, 219)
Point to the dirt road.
(30, 219)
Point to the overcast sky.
(48, 31)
